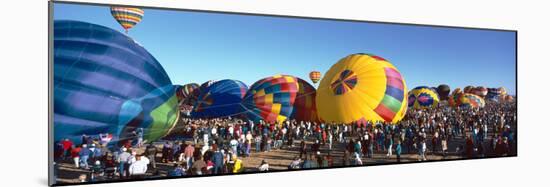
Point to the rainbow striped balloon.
(127, 17)
(271, 99)
(360, 88)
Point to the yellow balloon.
(422, 97)
(359, 88)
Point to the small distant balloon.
(315, 76)
(127, 17)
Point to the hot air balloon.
(443, 91)
(206, 84)
(315, 76)
(422, 97)
(509, 98)
(453, 100)
(271, 99)
(106, 83)
(493, 94)
(359, 88)
(471, 100)
(189, 93)
(481, 91)
(179, 95)
(304, 105)
(221, 99)
(502, 91)
(469, 89)
(127, 17)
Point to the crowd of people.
(217, 146)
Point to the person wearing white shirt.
(132, 158)
(264, 166)
(233, 143)
(138, 168)
(214, 131)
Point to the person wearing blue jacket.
(84, 155)
(398, 151)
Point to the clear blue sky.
(196, 47)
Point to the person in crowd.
(218, 160)
(84, 156)
(238, 165)
(295, 164)
(188, 154)
(67, 144)
(357, 160)
(138, 168)
(303, 149)
(199, 166)
(97, 170)
(178, 171)
(264, 166)
(151, 153)
(258, 143)
(398, 151)
(123, 159)
(109, 165)
(75, 155)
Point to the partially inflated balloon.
(422, 97)
(453, 100)
(493, 94)
(469, 89)
(127, 17)
(362, 87)
(509, 98)
(304, 105)
(106, 83)
(443, 91)
(189, 93)
(271, 99)
(206, 84)
(190, 89)
(471, 100)
(481, 91)
(221, 99)
(179, 95)
(503, 91)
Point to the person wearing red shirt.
(75, 154)
(67, 144)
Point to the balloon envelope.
(422, 97)
(493, 94)
(304, 105)
(480, 91)
(271, 99)
(453, 100)
(189, 93)
(127, 17)
(106, 83)
(315, 76)
(471, 100)
(221, 99)
(469, 89)
(359, 88)
(443, 91)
